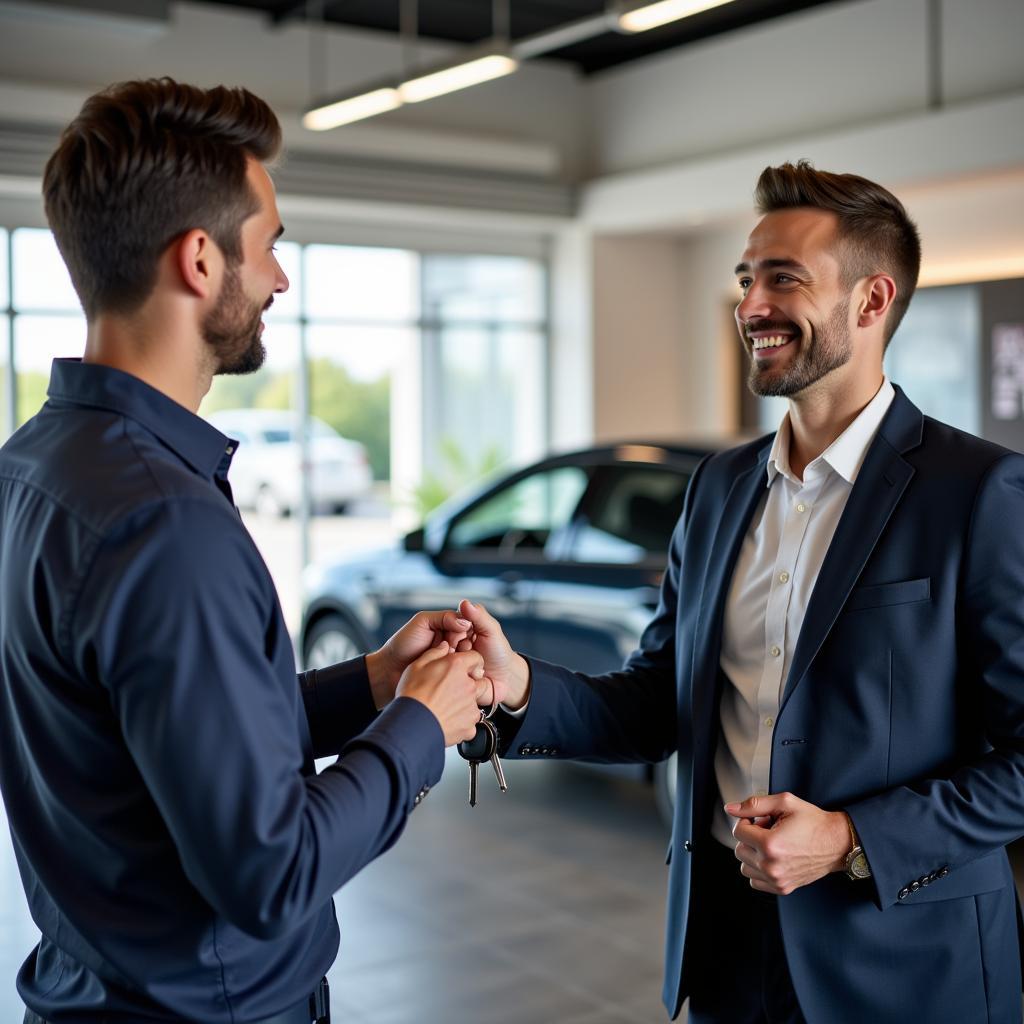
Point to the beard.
(829, 348)
(231, 329)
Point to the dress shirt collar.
(846, 453)
(197, 442)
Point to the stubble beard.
(231, 329)
(829, 349)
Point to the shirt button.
(775, 652)
(783, 577)
(801, 507)
(769, 721)
(228, 450)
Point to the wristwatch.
(856, 865)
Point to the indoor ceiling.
(469, 21)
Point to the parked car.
(266, 470)
(568, 553)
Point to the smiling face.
(233, 328)
(794, 317)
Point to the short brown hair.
(874, 225)
(143, 163)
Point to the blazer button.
(903, 894)
(914, 886)
(687, 846)
(943, 872)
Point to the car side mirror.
(414, 541)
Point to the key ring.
(494, 703)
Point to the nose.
(281, 282)
(753, 306)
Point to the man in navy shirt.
(177, 847)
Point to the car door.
(496, 549)
(599, 595)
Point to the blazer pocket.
(884, 594)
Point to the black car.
(567, 553)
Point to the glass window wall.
(414, 373)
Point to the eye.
(785, 279)
(744, 283)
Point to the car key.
(482, 747)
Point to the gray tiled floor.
(545, 904)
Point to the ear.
(875, 299)
(199, 262)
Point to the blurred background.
(533, 265)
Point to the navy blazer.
(904, 705)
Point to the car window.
(523, 515)
(632, 516)
(277, 435)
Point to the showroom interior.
(541, 263)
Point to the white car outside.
(266, 471)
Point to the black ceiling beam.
(289, 10)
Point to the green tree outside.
(359, 410)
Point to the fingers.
(770, 806)
(479, 617)
(471, 662)
(445, 621)
(485, 693)
(432, 654)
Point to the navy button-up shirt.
(177, 848)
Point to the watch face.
(859, 866)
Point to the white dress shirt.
(775, 573)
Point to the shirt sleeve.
(339, 704)
(178, 621)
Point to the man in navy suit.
(837, 657)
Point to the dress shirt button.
(769, 721)
(229, 450)
(775, 652)
(801, 507)
(783, 577)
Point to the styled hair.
(876, 233)
(142, 164)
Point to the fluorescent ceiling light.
(662, 12)
(354, 108)
(458, 76)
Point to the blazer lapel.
(879, 486)
(747, 489)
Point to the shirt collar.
(197, 442)
(846, 453)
